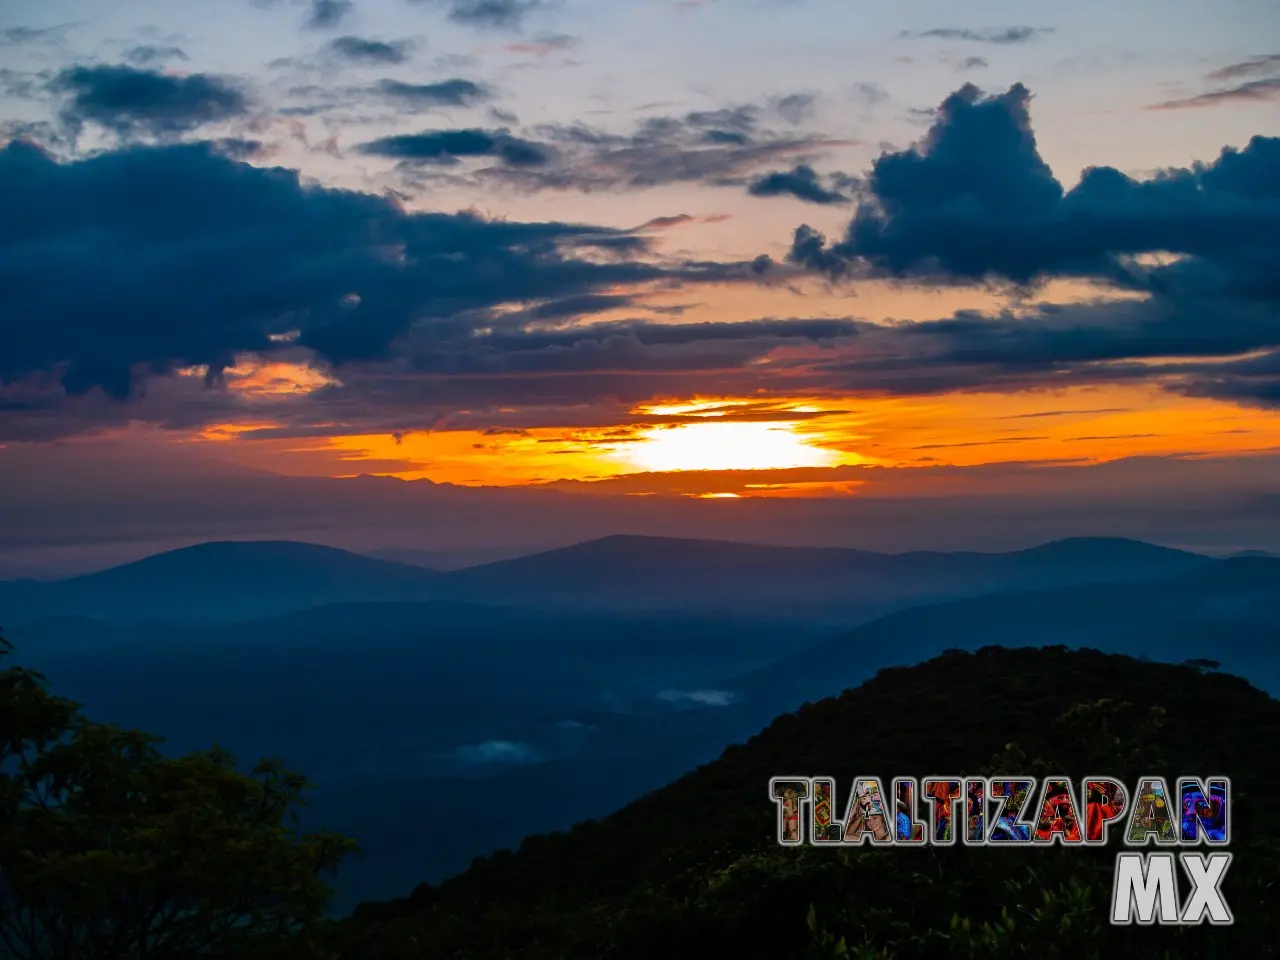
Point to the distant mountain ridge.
(635, 572)
(221, 580)
(1228, 610)
(233, 580)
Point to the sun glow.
(724, 446)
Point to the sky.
(764, 250)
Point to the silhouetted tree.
(109, 849)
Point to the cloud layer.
(974, 202)
(132, 101)
(182, 256)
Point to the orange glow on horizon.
(810, 435)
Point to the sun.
(723, 446)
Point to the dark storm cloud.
(325, 14)
(454, 92)
(447, 146)
(447, 375)
(1187, 347)
(997, 35)
(362, 50)
(801, 182)
(1254, 381)
(182, 257)
(488, 14)
(1065, 337)
(146, 55)
(588, 303)
(975, 201)
(540, 341)
(131, 101)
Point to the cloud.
(23, 85)
(587, 303)
(795, 108)
(973, 63)
(976, 443)
(239, 148)
(544, 44)
(23, 36)
(551, 363)
(454, 92)
(680, 220)
(1252, 91)
(148, 54)
(974, 201)
(413, 319)
(326, 14)
(1248, 68)
(447, 146)
(722, 147)
(362, 50)
(997, 35)
(800, 182)
(489, 14)
(185, 258)
(1253, 381)
(1265, 87)
(131, 101)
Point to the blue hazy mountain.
(244, 580)
(227, 580)
(641, 573)
(1227, 611)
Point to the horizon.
(418, 558)
(929, 281)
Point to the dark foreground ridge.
(692, 870)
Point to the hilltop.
(691, 870)
(221, 580)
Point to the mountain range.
(593, 673)
(225, 581)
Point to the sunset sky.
(793, 245)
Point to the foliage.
(692, 870)
(109, 849)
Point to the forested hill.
(692, 870)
